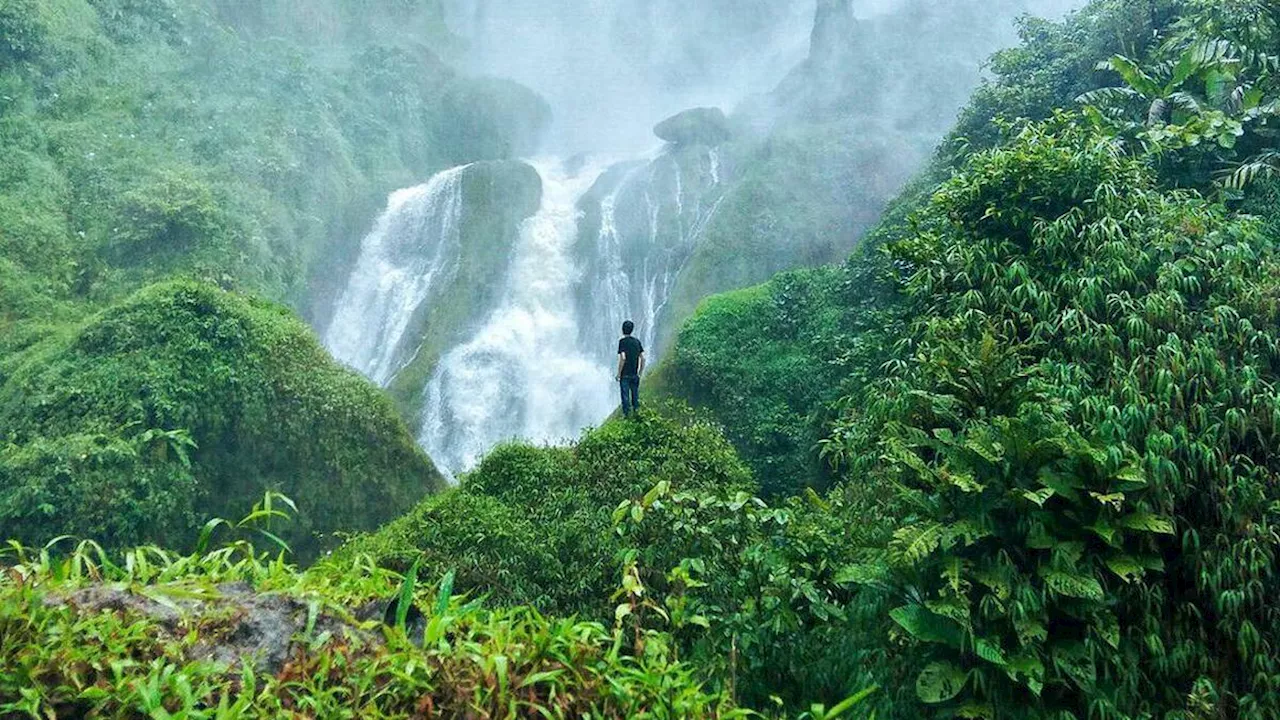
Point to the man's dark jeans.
(630, 393)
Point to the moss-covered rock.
(186, 402)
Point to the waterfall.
(525, 373)
(537, 362)
(413, 246)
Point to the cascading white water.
(412, 248)
(540, 365)
(525, 374)
(641, 293)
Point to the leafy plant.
(1083, 399)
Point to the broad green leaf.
(1148, 522)
(1126, 567)
(926, 626)
(913, 543)
(861, 574)
(1026, 667)
(1073, 661)
(939, 682)
(1112, 500)
(1039, 497)
(964, 481)
(1135, 77)
(1108, 628)
(990, 651)
(1072, 584)
(1030, 630)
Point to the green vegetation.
(187, 401)
(1057, 480)
(534, 525)
(770, 360)
(242, 145)
(1016, 455)
(74, 649)
(1073, 448)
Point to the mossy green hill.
(187, 402)
(533, 525)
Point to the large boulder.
(699, 126)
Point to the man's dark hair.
(628, 327)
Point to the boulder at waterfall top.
(699, 126)
(186, 402)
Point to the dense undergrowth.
(62, 655)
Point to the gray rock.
(238, 623)
(699, 126)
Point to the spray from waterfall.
(525, 373)
(412, 249)
(539, 365)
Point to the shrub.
(533, 525)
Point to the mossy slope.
(186, 402)
(533, 525)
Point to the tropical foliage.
(1076, 444)
(74, 646)
(1014, 459)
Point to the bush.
(1079, 440)
(767, 361)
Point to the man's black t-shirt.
(631, 348)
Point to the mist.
(611, 69)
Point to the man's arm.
(622, 358)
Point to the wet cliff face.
(800, 172)
(428, 271)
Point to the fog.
(612, 68)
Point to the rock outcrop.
(699, 126)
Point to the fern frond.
(1259, 167)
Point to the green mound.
(186, 402)
(767, 362)
(534, 525)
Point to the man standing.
(630, 365)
